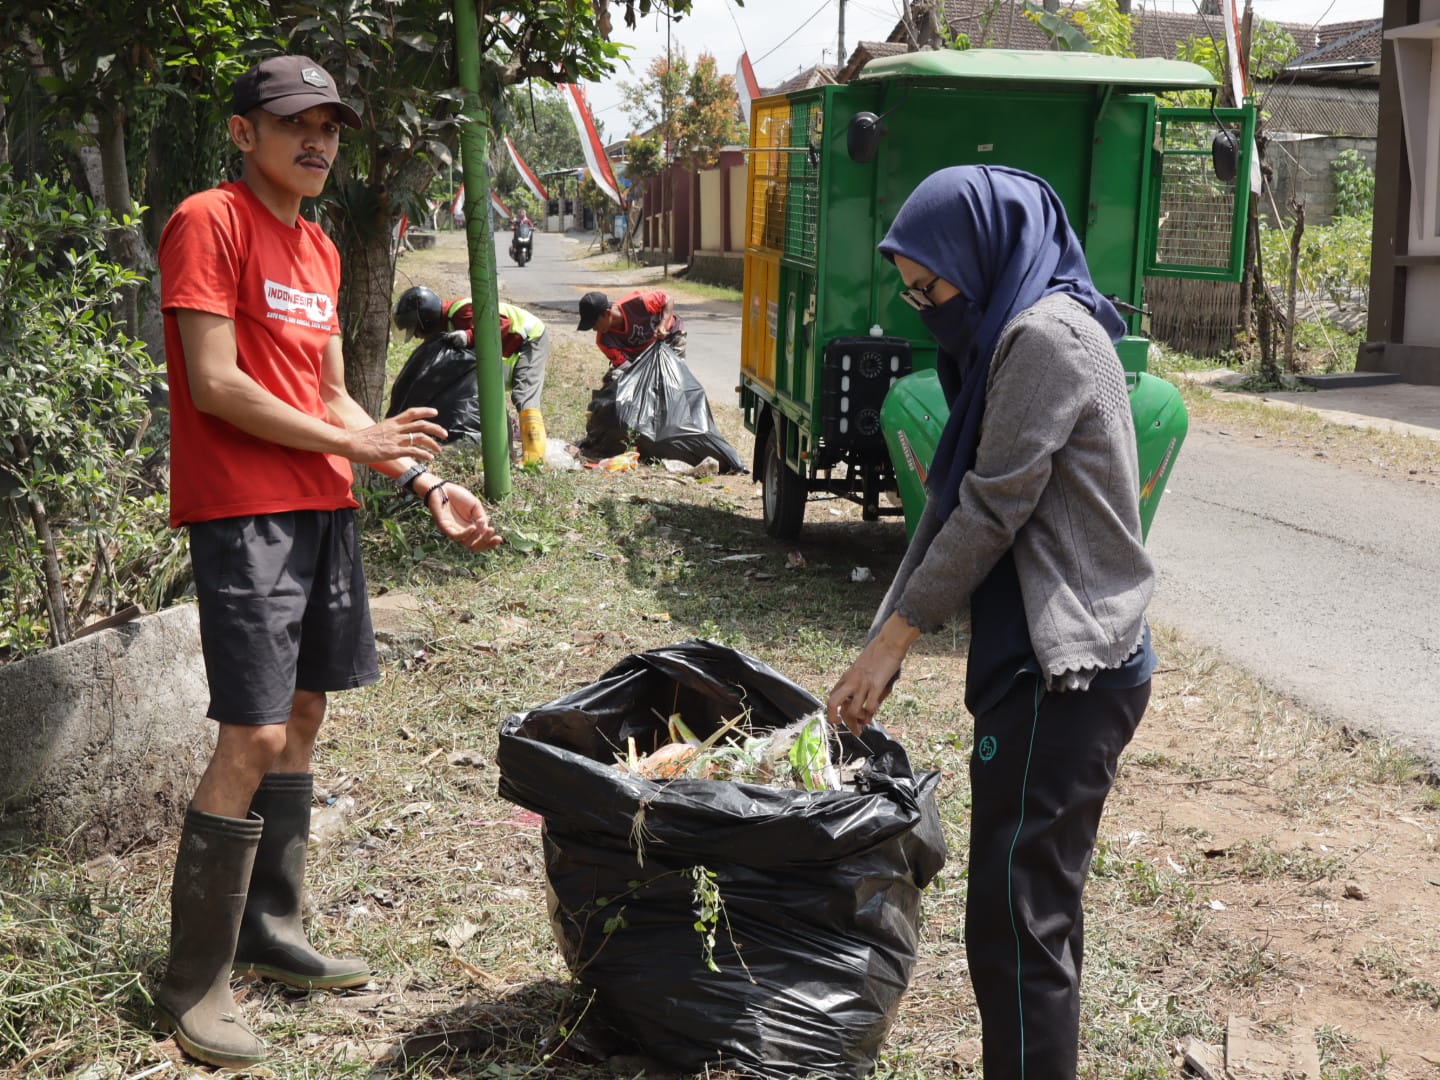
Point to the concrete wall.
(1304, 167)
(718, 268)
(712, 218)
(104, 739)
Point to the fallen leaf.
(459, 933)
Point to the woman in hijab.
(1032, 524)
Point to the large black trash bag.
(442, 377)
(658, 399)
(821, 890)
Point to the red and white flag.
(527, 177)
(458, 206)
(500, 207)
(595, 159)
(747, 89)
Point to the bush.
(88, 534)
(1334, 259)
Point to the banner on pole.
(747, 89)
(458, 206)
(500, 207)
(595, 159)
(528, 178)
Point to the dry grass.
(1252, 861)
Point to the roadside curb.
(1219, 382)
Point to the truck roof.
(1040, 66)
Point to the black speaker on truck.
(858, 373)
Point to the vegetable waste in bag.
(767, 925)
(656, 402)
(442, 377)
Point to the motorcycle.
(522, 246)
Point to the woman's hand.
(857, 697)
(406, 434)
(461, 516)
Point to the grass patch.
(1219, 885)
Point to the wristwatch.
(405, 479)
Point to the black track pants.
(1042, 767)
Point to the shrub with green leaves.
(84, 533)
(1354, 185)
(1334, 258)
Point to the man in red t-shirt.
(263, 435)
(626, 328)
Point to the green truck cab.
(837, 372)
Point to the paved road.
(556, 279)
(1321, 581)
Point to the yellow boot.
(532, 437)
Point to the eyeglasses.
(918, 296)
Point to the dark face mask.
(953, 324)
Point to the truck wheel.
(783, 492)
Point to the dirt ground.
(1256, 860)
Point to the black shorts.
(283, 608)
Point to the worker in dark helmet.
(441, 371)
(524, 354)
(420, 313)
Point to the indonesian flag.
(459, 204)
(747, 89)
(530, 180)
(599, 164)
(500, 207)
(400, 228)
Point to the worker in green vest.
(524, 349)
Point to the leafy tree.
(72, 411)
(709, 115)
(1271, 48)
(644, 158)
(97, 72)
(1100, 27)
(396, 62)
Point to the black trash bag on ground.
(658, 398)
(821, 890)
(442, 377)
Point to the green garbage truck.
(837, 378)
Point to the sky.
(781, 41)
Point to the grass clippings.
(1253, 861)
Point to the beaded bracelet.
(444, 499)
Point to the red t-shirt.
(641, 313)
(224, 253)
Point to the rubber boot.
(207, 899)
(272, 941)
(532, 437)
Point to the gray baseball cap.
(286, 85)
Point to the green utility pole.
(490, 375)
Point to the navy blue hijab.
(1001, 237)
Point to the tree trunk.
(366, 280)
(54, 579)
(1298, 208)
(127, 243)
(4, 138)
